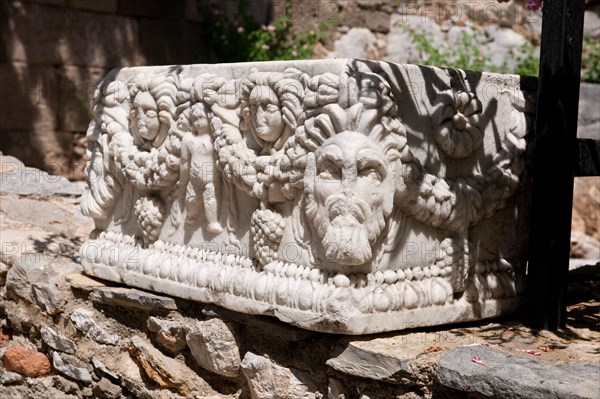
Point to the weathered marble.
(340, 196)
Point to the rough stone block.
(3, 270)
(81, 282)
(268, 380)
(106, 389)
(266, 325)
(9, 163)
(39, 280)
(588, 124)
(357, 43)
(373, 362)
(8, 377)
(77, 86)
(41, 34)
(130, 298)
(35, 182)
(57, 341)
(167, 372)
(26, 362)
(341, 196)
(373, 20)
(213, 345)
(71, 367)
(506, 375)
(29, 95)
(169, 333)
(400, 47)
(84, 321)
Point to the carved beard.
(347, 226)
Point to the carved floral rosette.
(340, 196)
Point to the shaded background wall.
(53, 52)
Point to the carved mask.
(350, 193)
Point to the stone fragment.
(510, 376)
(66, 384)
(83, 319)
(213, 345)
(400, 46)
(587, 201)
(29, 363)
(374, 20)
(39, 388)
(584, 246)
(3, 270)
(266, 325)
(504, 46)
(357, 43)
(591, 22)
(5, 337)
(132, 298)
(373, 359)
(71, 367)
(106, 389)
(98, 365)
(49, 229)
(118, 366)
(31, 181)
(57, 341)
(40, 280)
(81, 282)
(584, 369)
(165, 371)
(169, 333)
(9, 163)
(268, 380)
(9, 377)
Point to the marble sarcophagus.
(340, 196)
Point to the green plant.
(240, 38)
(590, 59)
(528, 62)
(466, 54)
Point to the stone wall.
(64, 335)
(54, 51)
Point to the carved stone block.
(340, 196)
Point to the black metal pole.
(555, 158)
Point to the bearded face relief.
(351, 197)
(146, 121)
(266, 119)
